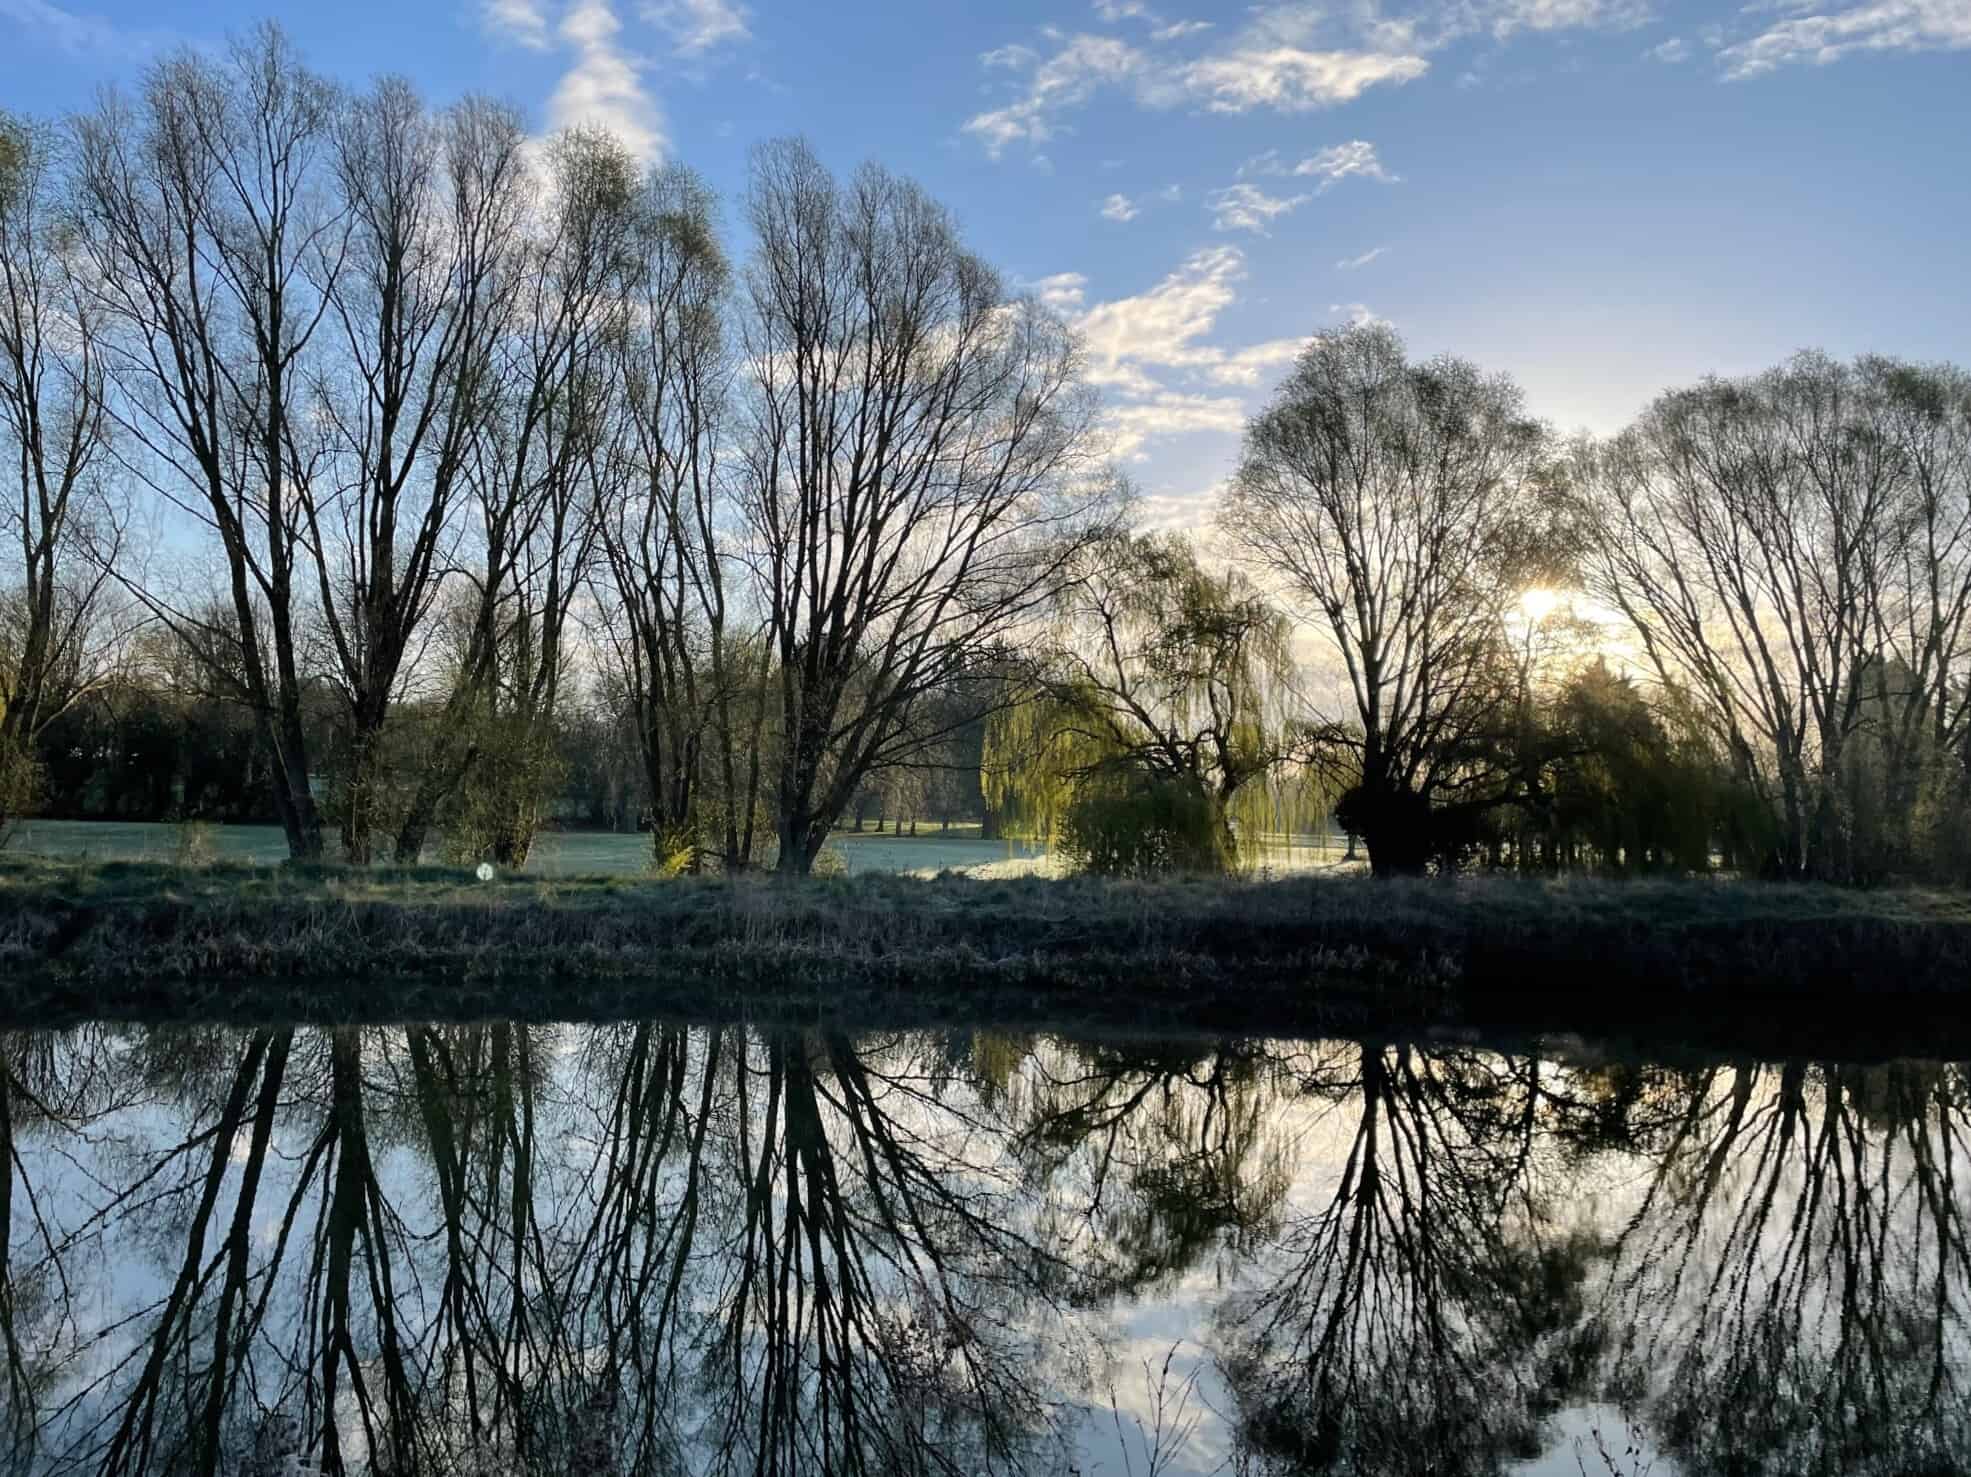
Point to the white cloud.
(1063, 292)
(1359, 315)
(1063, 81)
(1245, 366)
(605, 87)
(1246, 207)
(1879, 25)
(699, 26)
(1148, 351)
(1350, 263)
(1676, 49)
(1254, 71)
(81, 35)
(1508, 16)
(1161, 329)
(1169, 413)
(519, 22)
(1356, 158)
(1120, 208)
(1178, 30)
(1116, 10)
(1289, 80)
(1013, 57)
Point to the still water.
(651, 1248)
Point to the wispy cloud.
(1255, 70)
(698, 26)
(1676, 49)
(1148, 350)
(1245, 207)
(1875, 26)
(1178, 30)
(1293, 81)
(1120, 208)
(82, 35)
(1355, 159)
(605, 85)
(1358, 315)
(1351, 263)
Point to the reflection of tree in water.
(664, 1250)
(1789, 1296)
(642, 1248)
(1418, 1321)
(51, 1087)
(1172, 1146)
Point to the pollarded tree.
(1397, 505)
(1154, 716)
(914, 489)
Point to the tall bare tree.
(211, 242)
(1391, 501)
(54, 429)
(913, 494)
(528, 470)
(668, 599)
(434, 207)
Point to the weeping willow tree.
(1152, 738)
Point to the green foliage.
(1122, 822)
(1157, 709)
(506, 795)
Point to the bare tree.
(1391, 501)
(668, 599)
(211, 244)
(1758, 536)
(54, 429)
(913, 492)
(533, 459)
(434, 207)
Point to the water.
(649, 1247)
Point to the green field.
(556, 853)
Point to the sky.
(1603, 198)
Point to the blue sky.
(1602, 197)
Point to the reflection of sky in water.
(1273, 1252)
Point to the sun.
(1537, 603)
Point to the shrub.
(1124, 823)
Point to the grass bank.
(151, 941)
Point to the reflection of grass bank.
(148, 939)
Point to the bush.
(1124, 823)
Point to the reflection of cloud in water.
(653, 1246)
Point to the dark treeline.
(378, 474)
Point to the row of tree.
(350, 394)
(415, 439)
(1734, 634)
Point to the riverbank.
(147, 941)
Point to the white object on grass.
(485, 871)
